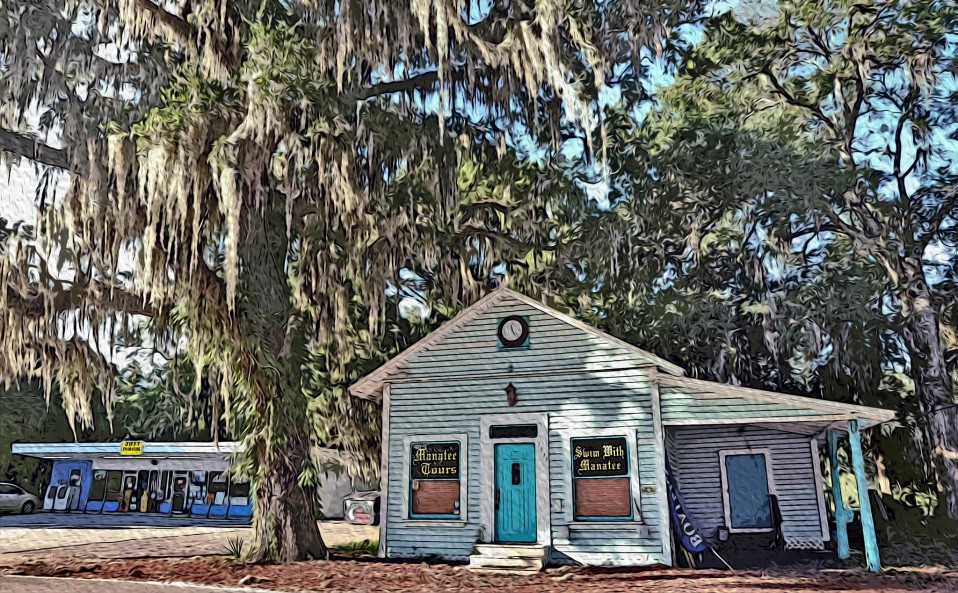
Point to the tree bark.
(285, 528)
(932, 382)
(23, 145)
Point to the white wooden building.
(516, 427)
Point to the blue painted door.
(516, 493)
(748, 491)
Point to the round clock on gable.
(513, 331)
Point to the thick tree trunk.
(285, 528)
(932, 383)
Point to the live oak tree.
(283, 171)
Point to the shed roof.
(687, 401)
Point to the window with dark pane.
(434, 480)
(98, 487)
(602, 489)
(748, 492)
(113, 481)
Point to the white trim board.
(384, 474)
(661, 494)
(712, 420)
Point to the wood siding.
(583, 383)
(694, 454)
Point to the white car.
(16, 500)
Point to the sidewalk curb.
(177, 584)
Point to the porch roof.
(687, 401)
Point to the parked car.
(17, 500)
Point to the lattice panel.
(804, 543)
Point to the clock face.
(513, 331)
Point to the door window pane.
(747, 478)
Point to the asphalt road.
(18, 584)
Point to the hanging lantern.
(512, 395)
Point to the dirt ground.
(52, 537)
(360, 574)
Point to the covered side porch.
(747, 465)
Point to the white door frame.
(487, 472)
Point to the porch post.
(841, 513)
(868, 523)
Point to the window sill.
(756, 530)
(433, 523)
(605, 525)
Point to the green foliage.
(27, 417)
(760, 231)
(366, 547)
(236, 548)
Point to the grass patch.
(367, 546)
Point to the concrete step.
(485, 563)
(487, 570)
(506, 558)
(510, 550)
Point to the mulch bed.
(370, 575)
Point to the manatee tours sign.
(599, 457)
(435, 461)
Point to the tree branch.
(948, 205)
(792, 100)
(826, 52)
(175, 24)
(32, 304)
(907, 108)
(23, 145)
(185, 31)
(396, 86)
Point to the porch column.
(842, 516)
(868, 523)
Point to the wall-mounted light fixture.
(512, 394)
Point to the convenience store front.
(181, 479)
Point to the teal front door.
(516, 493)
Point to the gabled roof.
(370, 386)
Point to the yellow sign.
(131, 448)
